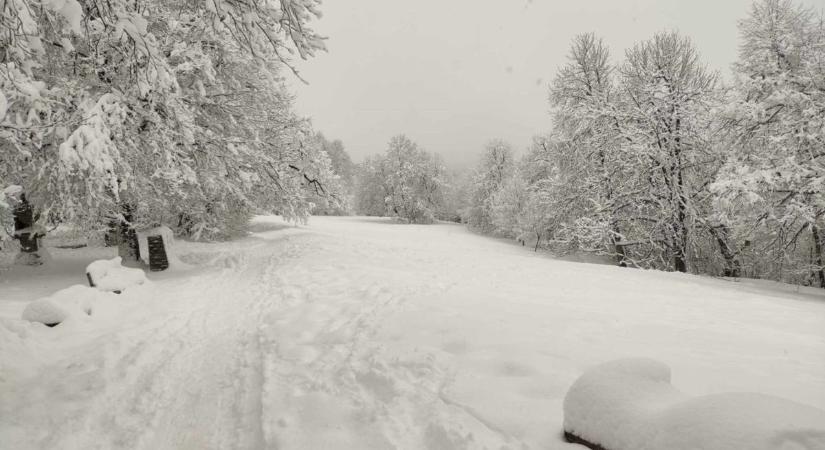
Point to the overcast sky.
(453, 74)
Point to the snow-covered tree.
(496, 167)
(669, 94)
(157, 111)
(587, 129)
(406, 182)
(771, 188)
(343, 167)
(415, 179)
(372, 189)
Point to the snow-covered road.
(355, 333)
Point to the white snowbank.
(110, 275)
(630, 404)
(74, 301)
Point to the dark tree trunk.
(25, 233)
(817, 238)
(127, 242)
(680, 230)
(733, 268)
(112, 236)
(679, 260)
(680, 256)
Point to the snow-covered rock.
(630, 404)
(168, 243)
(110, 275)
(74, 301)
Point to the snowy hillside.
(366, 334)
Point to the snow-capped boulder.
(110, 275)
(74, 301)
(630, 404)
(168, 243)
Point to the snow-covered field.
(356, 333)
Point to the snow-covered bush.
(630, 404)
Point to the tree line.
(653, 160)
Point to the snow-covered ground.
(363, 333)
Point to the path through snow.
(362, 333)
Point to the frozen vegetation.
(366, 333)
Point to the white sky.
(453, 74)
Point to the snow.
(12, 190)
(73, 302)
(364, 333)
(110, 275)
(71, 11)
(4, 104)
(630, 404)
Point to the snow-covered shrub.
(629, 404)
(73, 302)
(110, 275)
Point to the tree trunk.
(679, 263)
(621, 253)
(127, 240)
(817, 238)
(733, 268)
(680, 256)
(25, 233)
(680, 228)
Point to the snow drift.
(629, 404)
(110, 275)
(72, 302)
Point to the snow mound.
(110, 275)
(629, 404)
(74, 301)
